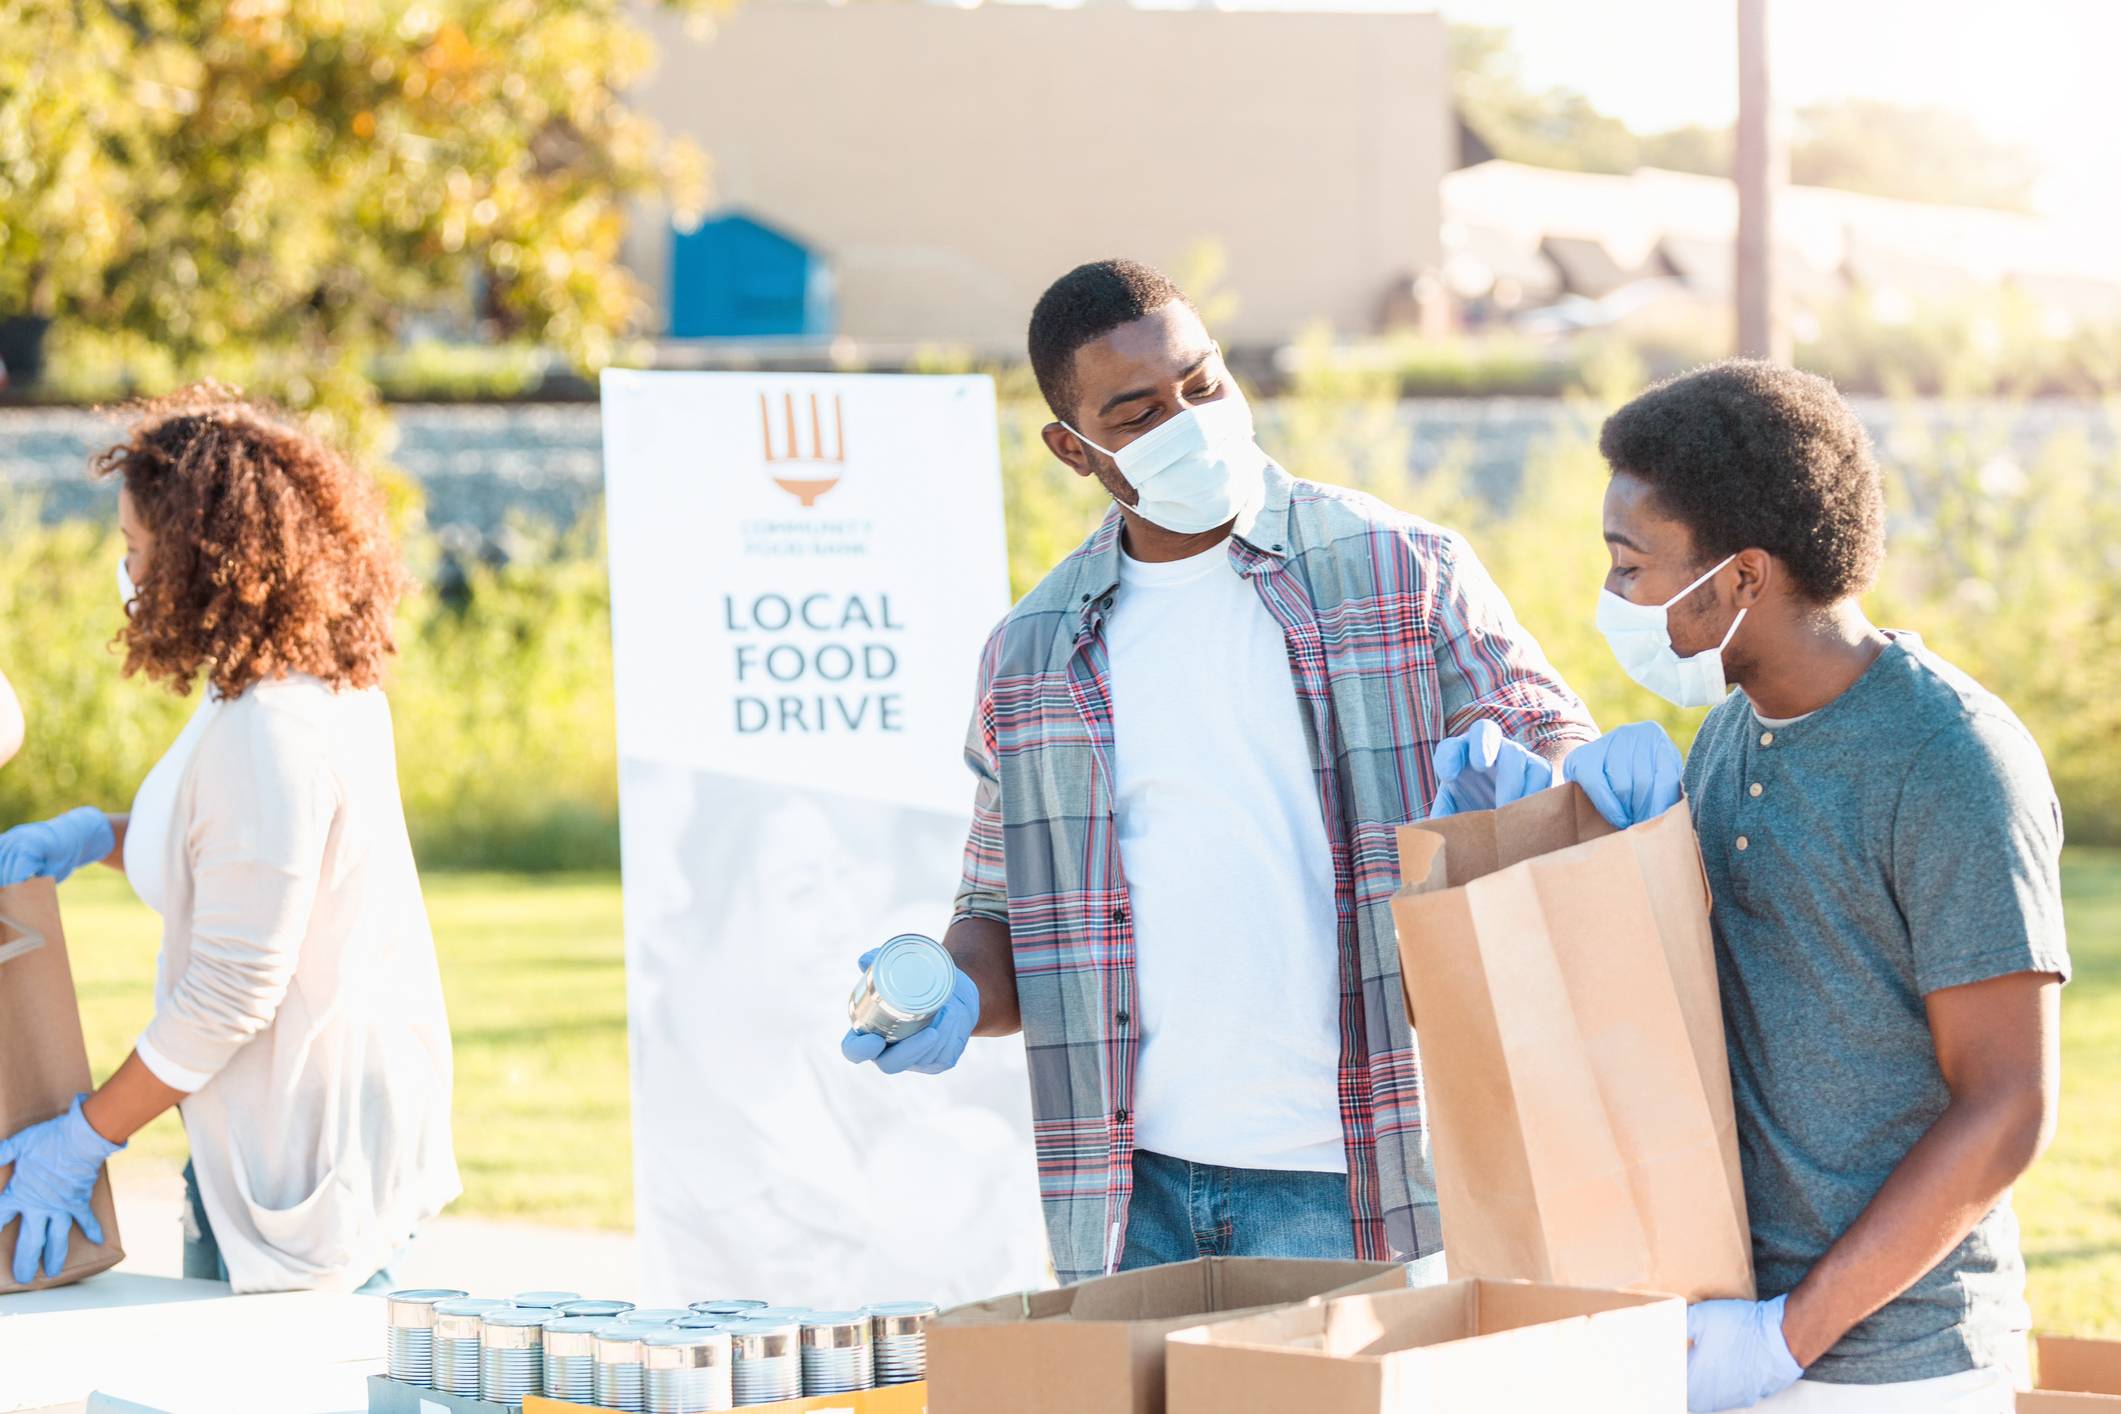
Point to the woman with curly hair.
(298, 1017)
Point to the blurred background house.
(868, 186)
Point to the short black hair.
(1749, 454)
(1088, 303)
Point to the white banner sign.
(803, 571)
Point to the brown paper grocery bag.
(1562, 983)
(43, 1060)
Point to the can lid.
(596, 1308)
(697, 1321)
(516, 1316)
(655, 1315)
(913, 973)
(728, 1307)
(546, 1298)
(468, 1305)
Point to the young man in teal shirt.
(1882, 843)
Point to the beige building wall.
(949, 163)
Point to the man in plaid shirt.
(1193, 741)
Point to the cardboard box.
(386, 1396)
(1466, 1347)
(44, 1061)
(1099, 1345)
(2074, 1377)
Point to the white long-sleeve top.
(297, 994)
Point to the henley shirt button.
(1121, 1116)
(1121, 1017)
(1742, 843)
(1754, 790)
(1119, 915)
(1767, 738)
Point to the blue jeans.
(1182, 1210)
(202, 1254)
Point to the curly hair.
(1749, 454)
(1083, 306)
(271, 556)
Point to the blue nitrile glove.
(1631, 773)
(52, 849)
(931, 1050)
(1736, 1355)
(56, 1164)
(1480, 769)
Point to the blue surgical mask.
(1196, 471)
(1640, 636)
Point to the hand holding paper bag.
(56, 1167)
(1562, 984)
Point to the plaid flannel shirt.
(1397, 638)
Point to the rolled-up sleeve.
(261, 811)
(1488, 665)
(983, 890)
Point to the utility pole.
(1762, 166)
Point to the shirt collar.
(1262, 536)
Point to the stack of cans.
(512, 1354)
(456, 1337)
(901, 1340)
(620, 1383)
(839, 1353)
(766, 1359)
(409, 1349)
(688, 1371)
(571, 1357)
(712, 1355)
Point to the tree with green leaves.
(266, 192)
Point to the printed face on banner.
(829, 553)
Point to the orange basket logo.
(804, 469)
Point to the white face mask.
(127, 591)
(1640, 636)
(1198, 470)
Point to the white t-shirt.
(1229, 875)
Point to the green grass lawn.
(535, 972)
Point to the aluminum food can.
(838, 1352)
(766, 1360)
(620, 1380)
(512, 1353)
(657, 1315)
(901, 1329)
(571, 1357)
(905, 985)
(456, 1348)
(687, 1371)
(409, 1341)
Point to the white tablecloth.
(122, 1343)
